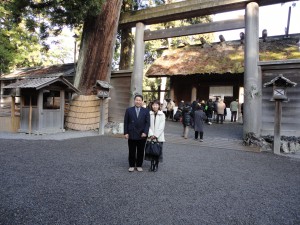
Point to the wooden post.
(277, 127)
(102, 116)
(252, 77)
(30, 115)
(163, 88)
(13, 101)
(194, 94)
(138, 67)
(288, 23)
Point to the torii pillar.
(252, 76)
(139, 52)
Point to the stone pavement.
(224, 136)
(85, 181)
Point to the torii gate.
(194, 8)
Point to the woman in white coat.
(156, 132)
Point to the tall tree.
(97, 44)
(126, 40)
(99, 19)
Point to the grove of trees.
(25, 26)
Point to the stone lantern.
(279, 85)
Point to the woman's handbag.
(153, 148)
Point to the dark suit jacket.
(136, 126)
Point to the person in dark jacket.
(209, 109)
(181, 105)
(186, 119)
(199, 118)
(136, 128)
(194, 105)
(242, 111)
(178, 114)
(215, 109)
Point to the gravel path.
(85, 181)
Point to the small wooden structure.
(42, 105)
(102, 88)
(279, 85)
(290, 121)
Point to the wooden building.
(202, 72)
(209, 70)
(10, 101)
(42, 107)
(10, 107)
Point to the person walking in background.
(209, 109)
(181, 105)
(136, 127)
(234, 105)
(203, 104)
(170, 109)
(156, 133)
(194, 105)
(225, 112)
(220, 111)
(242, 111)
(215, 109)
(186, 119)
(199, 118)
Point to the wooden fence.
(9, 114)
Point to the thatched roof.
(220, 58)
(41, 71)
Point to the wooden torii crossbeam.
(186, 9)
(195, 29)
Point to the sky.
(273, 18)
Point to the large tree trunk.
(97, 42)
(126, 49)
(126, 41)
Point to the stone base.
(114, 128)
(289, 144)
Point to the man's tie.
(137, 112)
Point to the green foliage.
(18, 47)
(149, 88)
(58, 12)
(26, 26)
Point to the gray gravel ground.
(85, 181)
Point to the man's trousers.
(136, 152)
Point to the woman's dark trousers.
(154, 165)
(220, 117)
(196, 135)
(136, 152)
(233, 116)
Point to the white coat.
(157, 128)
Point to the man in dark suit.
(136, 127)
